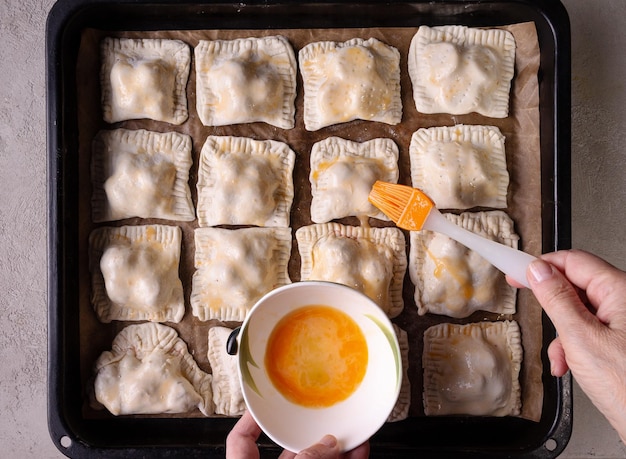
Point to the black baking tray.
(77, 436)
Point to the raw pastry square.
(227, 395)
(455, 281)
(356, 79)
(371, 260)
(144, 78)
(246, 80)
(472, 369)
(234, 268)
(460, 167)
(460, 70)
(134, 273)
(242, 181)
(342, 175)
(141, 174)
(149, 370)
(401, 409)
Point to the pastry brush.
(413, 210)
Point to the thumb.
(558, 297)
(556, 355)
(327, 448)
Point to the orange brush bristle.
(412, 210)
(407, 207)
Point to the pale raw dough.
(460, 70)
(149, 370)
(242, 181)
(134, 273)
(227, 395)
(455, 281)
(401, 409)
(472, 369)
(342, 175)
(246, 80)
(234, 268)
(356, 79)
(144, 78)
(371, 260)
(139, 173)
(460, 167)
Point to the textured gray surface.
(23, 431)
(598, 199)
(598, 174)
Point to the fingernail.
(540, 270)
(329, 440)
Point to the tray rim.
(63, 427)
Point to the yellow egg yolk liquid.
(316, 356)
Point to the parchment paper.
(521, 130)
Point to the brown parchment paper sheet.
(521, 130)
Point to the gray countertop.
(598, 200)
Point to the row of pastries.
(453, 69)
(244, 181)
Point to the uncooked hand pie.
(451, 279)
(371, 260)
(139, 173)
(460, 70)
(235, 267)
(342, 175)
(144, 79)
(246, 80)
(149, 370)
(242, 181)
(357, 79)
(134, 273)
(401, 409)
(227, 394)
(460, 167)
(472, 369)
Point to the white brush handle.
(507, 259)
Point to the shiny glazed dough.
(371, 260)
(356, 79)
(242, 181)
(134, 273)
(472, 369)
(342, 175)
(460, 70)
(139, 173)
(460, 167)
(144, 78)
(401, 409)
(234, 268)
(453, 280)
(246, 80)
(227, 395)
(150, 371)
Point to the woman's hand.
(585, 297)
(241, 444)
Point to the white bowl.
(353, 420)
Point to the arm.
(585, 297)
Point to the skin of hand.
(585, 298)
(241, 444)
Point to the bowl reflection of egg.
(316, 356)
